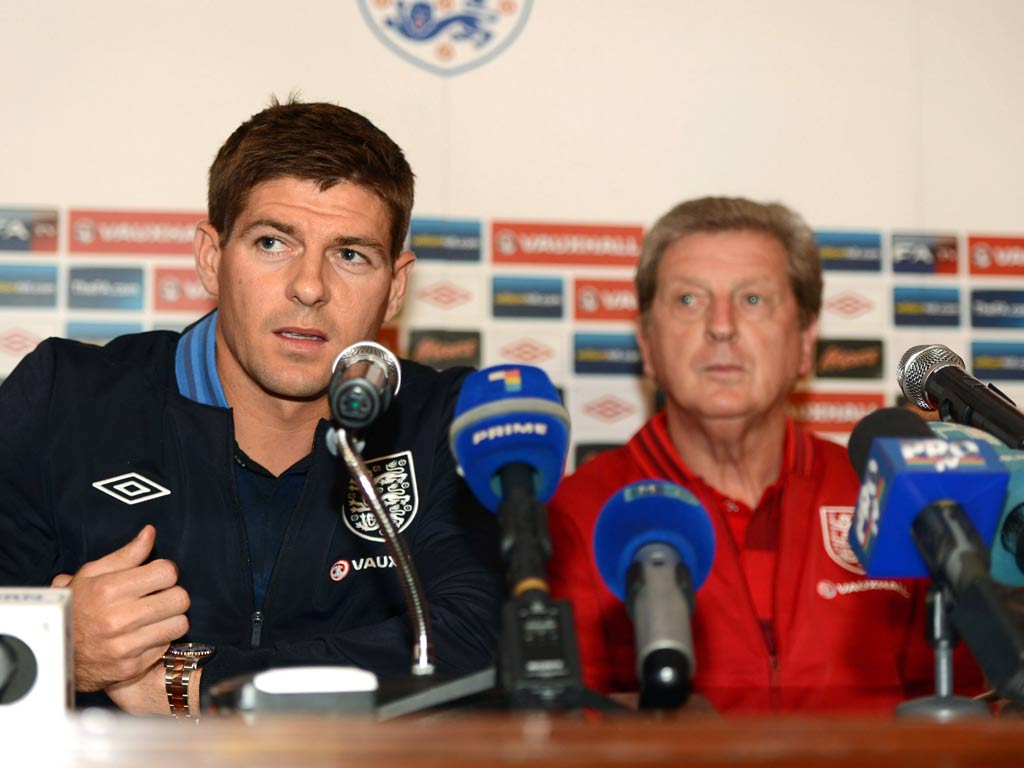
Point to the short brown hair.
(729, 214)
(318, 142)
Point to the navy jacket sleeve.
(28, 542)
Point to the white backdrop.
(880, 115)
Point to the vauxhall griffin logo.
(446, 37)
(394, 478)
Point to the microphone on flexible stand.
(365, 379)
(366, 376)
(934, 378)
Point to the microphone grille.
(371, 350)
(917, 365)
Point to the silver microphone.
(917, 366)
(365, 377)
(934, 377)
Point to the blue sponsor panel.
(998, 360)
(100, 333)
(614, 353)
(914, 306)
(445, 240)
(527, 297)
(117, 288)
(850, 251)
(28, 285)
(997, 309)
(28, 230)
(925, 254)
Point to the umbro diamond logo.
(131, 488)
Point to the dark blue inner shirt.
(267, 504)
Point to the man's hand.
(125, 614)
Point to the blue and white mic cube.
(902, 477)
(36, 657)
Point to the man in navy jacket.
(180, 484)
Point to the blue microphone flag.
(905, 475)
(509, 414)
(649, 512)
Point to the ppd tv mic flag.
(902, 476)
(509, 415)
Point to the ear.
(807, 338)
(644, 343)
(206, 245)
(399, 281)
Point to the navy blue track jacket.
(98, 441)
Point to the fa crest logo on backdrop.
(446, 37)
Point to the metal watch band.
(177, 673)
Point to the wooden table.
(451, 739)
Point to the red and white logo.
(598, 299)
(180, 290)
(518, 242)
(835, 532)
(609, 409)
(996, 255)
(833, 411)
(849, 305)
(18, 342)
(135, 232)
(340, 570)
(445, 294)
(528, 351)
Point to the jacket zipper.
(257, 628)
(256, 619)
(773, 677)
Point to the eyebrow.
(288, 229)
(697, 282)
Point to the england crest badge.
(446, 37)
(394, 477)
(835, 530)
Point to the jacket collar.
(195, 364)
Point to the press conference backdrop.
(546, 136)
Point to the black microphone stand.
(538, 657)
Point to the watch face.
(191, 650)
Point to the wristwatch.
(180, 661)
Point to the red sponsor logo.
(849, 305)
(517, 242)
(996, 255)
(135, 232)
(340, 570)
(605, 299)
(445, 295)
(529, 351)
(179, 290)
(609, 409)
(833, 411)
